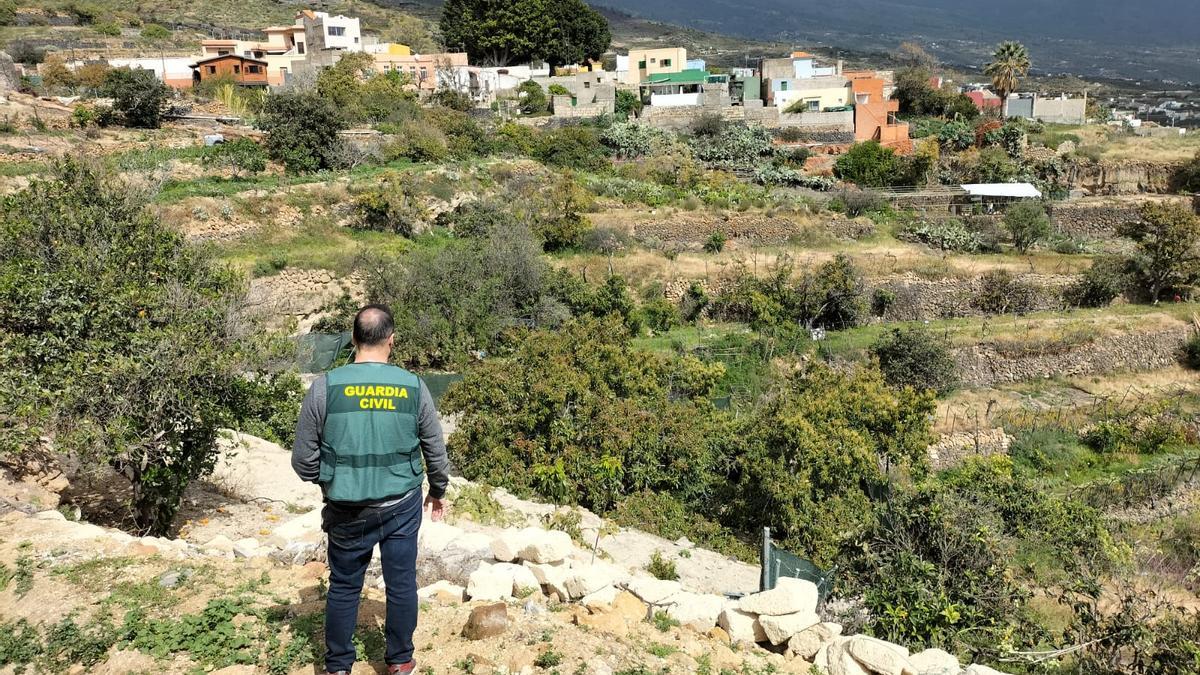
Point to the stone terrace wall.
(953, 449)
(298, 293)
(985, 364)
(1092, 221)
(920, 299)
(691, 228)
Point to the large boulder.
(486, 621)
(442, 591)
(741, 626)
(780, 628)
(790, 596)
(303, 529)
(935, 662)
(546, 546)
(434, 537)
(878, 656)
(653, 591)
(455, 562)
(523, 579)
(552, 578)
(588, 579)
(489, 583)
(698, 611)
(809, 641)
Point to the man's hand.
(436, 508)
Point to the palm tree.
(1010, 61)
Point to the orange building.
(243, 70)
(875, 112)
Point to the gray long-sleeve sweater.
(306, 452)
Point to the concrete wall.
(819, 121)
(1020, 107)
(1060, 110)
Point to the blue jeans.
(351, 542)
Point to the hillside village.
(935, 328)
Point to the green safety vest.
(370, 448)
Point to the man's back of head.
(373, 325)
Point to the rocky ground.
(500, 592)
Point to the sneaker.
(402, 668)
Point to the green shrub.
(120, 304)
(138, 95)
(732, 146)
(1191, 352)
(855, 203)
(811, 456)
(1099, 285)
(395, 206)
(573, 147)
(662, 514)
(1166, 263)
(240, 156)
(1027, 224)
(452, 99)
(831, 296)
(635, 420)
(302, 131)
(1002, 293)
(661, 568)
(956, 135)
(1187, 177)
(944, 235)
(627, 105)
(914, 357)
(715, 242)
(629, 140)
(532, 98)
(559, 90)
(418, 142)
(868, 164)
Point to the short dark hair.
(373, 325)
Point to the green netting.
(777, 562)
(318, 352)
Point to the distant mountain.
(1154, 39)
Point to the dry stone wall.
(1092, 221)
(921, 299)
(299, 293)
(690, 228)
(953, 449)
(987, 363)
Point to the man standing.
(363, 431)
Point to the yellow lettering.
(403, 393)
(364, 403)
(348, 391)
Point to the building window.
(252, 69)
(237, 69)
(355, 40)
(337, 31)
(642, 64)
(300, 47)
(891, 120)
(212, 70)
(222, 52)
(587, 85)
(666, 63)
(862, 99)
(783, 85)
(813, 105)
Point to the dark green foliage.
(1129, 630)
(661, 568)
(1100, 284)
(664, 515)
(918, 97)
(995, 166)
(495, 32)
(855, 203)
(1002, 293)
(914, 357)
(830, 296)
(868, 164)
(396, 205)
(533, 98)
(813, 454)
(452, 99)
(476, 218)
(628, 104)
(138, 95)
(240, 156)
(302, 131)
(596, 419)
(573, 147)
(1187, 178)
(1191, 352)
(1027, 224)
(1167, 262)
(715, 242)
(944, 235)
(464, 296)
(956, 135)
(116, 338)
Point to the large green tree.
(1009, 63)
(302, 130)
(119, 343)
(1168, 256)
(503, 32)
